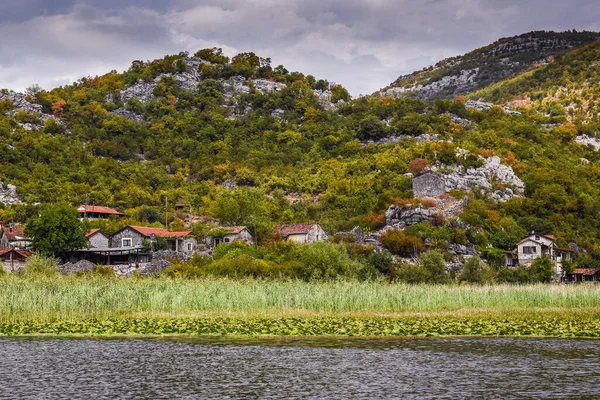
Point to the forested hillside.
(246, 143)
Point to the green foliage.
(401, 243)
(476, 271)
(56, 230)
(325, 261)
(435, 265)
(149, 215)
(38, 266)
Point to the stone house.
(535, 246)
(97, 212)
(14, 237)
(430, 184)
(301, 233)
(97, 239)
(134, 236)
(228, 234)
(13, 259)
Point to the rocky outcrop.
(585, 140)
(81, 266)
(122, 112)
(484, 178)
(19, 101)
(398, 138)
(144, 269)
(401, 218)
(8, 195)
(428, 185)
(481, 106)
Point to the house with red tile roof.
(98, 212)
(301, 233)
(14, 237)
(228, 234)
(134, 236)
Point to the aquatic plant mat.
(104, 306)
(309, 327)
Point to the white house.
(535, 246)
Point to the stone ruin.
(429, 184)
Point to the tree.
(475, 271)
(541, 270)
(56, 230)
(433, 261)
(149, 215)
(400, 243)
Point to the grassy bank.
(217, 306)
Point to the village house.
(301, 233)
(535, 246)
(228, 234)
(13, 259)
(14, 237)
(97, 239)
(97, 212)
(134, 236)
(583, 275)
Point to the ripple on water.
(298, 368)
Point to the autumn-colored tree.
(58, 108)
(419, 166)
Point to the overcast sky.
(361, 44)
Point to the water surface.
(209, 368)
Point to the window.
(537, 237)
(529, 250)
(189, 245)
(227, 240)
(126, 242)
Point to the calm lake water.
(299, 368)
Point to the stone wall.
(98, 240)
(428, 185)
(136, 238)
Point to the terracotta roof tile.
(22, 253)
(14, 233)
(92, 232)
(294, 229)
(160, 232)
(98, 209)
(586, 271)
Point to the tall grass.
(60, 298)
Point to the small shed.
(13, 259)
(302, 233)
(584, 275)
(228, 234)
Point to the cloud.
(362, 44)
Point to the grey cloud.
(363, 44)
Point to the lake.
(288, 368)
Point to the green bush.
(435, 265)
(401, 243)
(476, 271)
(40, 266)
(324, 261)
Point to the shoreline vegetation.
(89, 305)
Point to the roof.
(22, 253)
(294, 229)
(531, 240)
(160, 232)
(229, 230)
(98, 210)
(16, 233)
(551, 237)
(93, 232)
(586, 271)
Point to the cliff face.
(475, 70)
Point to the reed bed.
(72, 298)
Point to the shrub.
(475, 271)
(400, 243)
(324, 261)
(103, 270)
(541, 270)
(419, 166)
(411, 273)
(38, 266)
(435, 265)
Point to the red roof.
(294, 229)
(234, 229)
(98, 210)
(160, 232)
(586, 271)
(22, 253)
(13, 233)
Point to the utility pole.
(166, 212)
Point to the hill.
(505, 58)
(245, 143)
